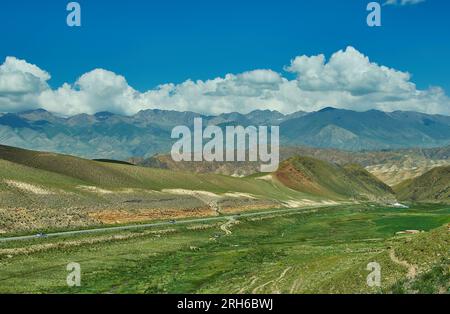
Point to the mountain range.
(113, 136)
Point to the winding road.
(159, 224)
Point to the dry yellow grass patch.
(122, 216)
(26, 187)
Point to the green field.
(311, 251)
(310, 227)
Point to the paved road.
(159, 224)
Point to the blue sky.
(155, 42)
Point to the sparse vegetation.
(433, 186)
(322, 250)
(44, 191)
(325, 251)
(328, 180)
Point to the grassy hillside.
(395, 172)
(44, 191)
(314, 250)
(322, 179)
(92, 172)
(390, 166)
(433, 186)
(313, 176)
(72, 171)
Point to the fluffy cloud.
(20, 84)
(347, 80)
(95, 91)
(349, 71)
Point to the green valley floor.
(323, 250)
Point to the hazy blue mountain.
(164, 119)
(351, 130)
(233, 118)
(268, 117)
(13, 121)
(110, 136)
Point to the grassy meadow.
(312, 251)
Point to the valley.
(312, 226)
(44, 191)
(321, 251)
(214, 154)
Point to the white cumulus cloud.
(349, 71)
(348, 80)
(20, 84)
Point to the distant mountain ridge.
(105, 135)
(370, 130)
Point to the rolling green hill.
(92, 172)
(343, 182)
(390, 166)
(114, 175)
(40, 190)
(45, 191)
(313, 176)
(314, 249)
(432, 186)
